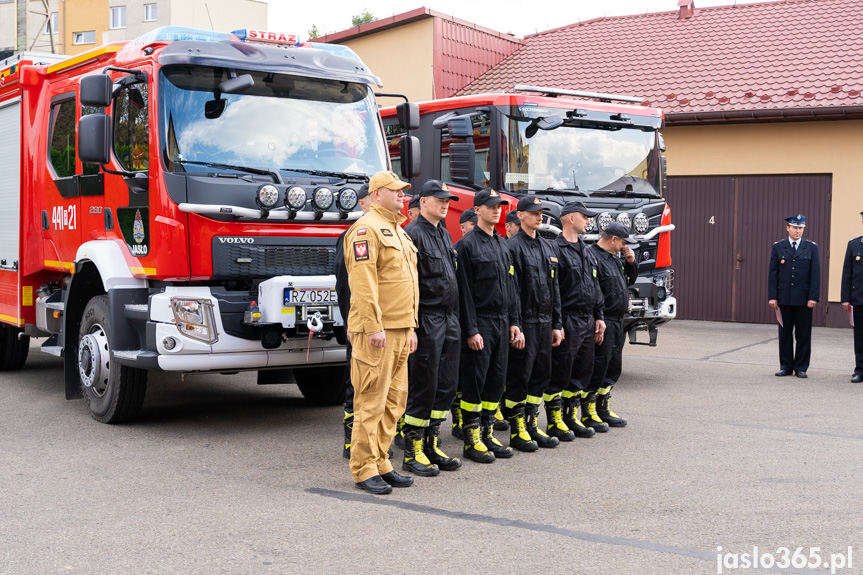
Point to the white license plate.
(311, 296)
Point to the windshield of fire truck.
(281, 122)
(584, 157)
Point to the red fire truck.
(560, 145)
(173, 203)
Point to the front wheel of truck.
(113, 393)
(323, 385)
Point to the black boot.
(349, 429)
(557, 427)
(399, 439)
(457, 419)
(415, 458)
(538, 435)
(570, 417)
(588, 414)
(605, 414)
(519, 438)
(433, 452)
(474, 448)
(499, 449)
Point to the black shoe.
(783, 372)
(497, 448)
(397, 480)
(857, 378)
(802, 374)
(375, 485)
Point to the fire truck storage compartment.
(10, 181)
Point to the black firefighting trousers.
(529, 370)
(483, 372)
(608, 357)
(433, 369)
(572, 360)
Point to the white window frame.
(155, 14)
(83, 39)
(120, 11)
(53, 24)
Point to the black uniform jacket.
(436, 263)
(580, 294)
(343, 289)
(614, 274)
(794, 277)
(486, 280)
(852, 273)
(536, 269)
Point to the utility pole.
(21, 37)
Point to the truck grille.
(263, 261)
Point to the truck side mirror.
(96, 90)
(409, 149)
(460, 127)
(462, 163)
(408, 115)
(94, 139)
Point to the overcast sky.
(521, 18)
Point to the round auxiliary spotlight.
(347, 200)
(295, 198)
(603, 220)
(268, 196)
(641, 222)
(322, 199)
(623, 219)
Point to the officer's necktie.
(794, 245)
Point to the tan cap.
(385, 179)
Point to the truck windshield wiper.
(623, 194)
(327, 174)
(247, 169)
(560, 192)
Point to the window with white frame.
(53, 24)
(118, 17)
(84, 37)
(151, 12)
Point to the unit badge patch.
(386, 232)
(361, 251)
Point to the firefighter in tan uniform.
(381, 261)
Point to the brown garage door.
(725, 227)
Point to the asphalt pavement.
(219, 475)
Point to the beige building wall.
(792, 148)
(402, 58)
(219, 15)
(83, 16)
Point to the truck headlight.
(603, 220)
(347, 200)
(322, 199)
(296, 198)
(195, 319)
(641, 222)
(268, 196)
(623, 219)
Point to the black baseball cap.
(512, 217)
(437, 189)
(363, 191)
(488, 197)
(617, 229)
(530, 204)
(415, 201)
(468, 216)
(573, 207)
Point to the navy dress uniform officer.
(852, 298)
(433, 368)
(381, 263)
(529, 368)
(489, 314)
(794, 287)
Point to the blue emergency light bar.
(172, 33)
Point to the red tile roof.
(759, 58)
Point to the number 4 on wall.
(712, 220)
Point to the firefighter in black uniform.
(793, 288)
(433, 367)
(614, 276)
(852, 299)
(343, 292)
(513, 224)
(489, 312)
(583, 319)
(529, 368)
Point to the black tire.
(13, 351)
(115, 392)
(323, 385)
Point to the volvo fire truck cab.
(173, 203)
(560, 145)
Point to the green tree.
(314, 32)
(363, 18)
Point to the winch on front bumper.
(650, 305)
